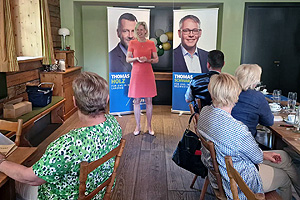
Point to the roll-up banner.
(121, 23)
(195, 33)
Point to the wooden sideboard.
(63, 86)
(68, 56)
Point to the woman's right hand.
(142, 59)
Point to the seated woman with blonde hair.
(252, 107)
(262, 171)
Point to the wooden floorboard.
(157, 176)
(146, 171)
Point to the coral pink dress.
(142, 81)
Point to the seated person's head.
(224, 90)
(90, 94)
(215, 59)
(248, 75)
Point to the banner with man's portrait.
(121, 24)
(195, 33)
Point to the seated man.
(262, 171)
(57, 172)
(198, 85)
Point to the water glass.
(277, 96)
(297, 121)
(292, 100)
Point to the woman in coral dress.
(142, 53)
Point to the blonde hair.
(248, 75)
(91, 93)
(224, 90)
(136, 27)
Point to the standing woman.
(142, 53)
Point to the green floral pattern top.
(60, 165)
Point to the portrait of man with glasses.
(187, 56)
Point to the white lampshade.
(63, 31)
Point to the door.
(271, 39)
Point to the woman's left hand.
(142, 59)
(272, 156)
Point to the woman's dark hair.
(91, 93)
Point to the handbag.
(188, 155)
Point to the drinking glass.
(297, 121)
(277, 96)
(292, 99)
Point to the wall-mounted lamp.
(64, 32)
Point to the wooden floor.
(146, 171)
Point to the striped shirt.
(232, 137)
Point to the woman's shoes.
(151, 132)
(135, 133)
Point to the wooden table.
(287, 135)
(20, 155)
(55, 108)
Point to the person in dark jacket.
(198, 85)
(252, 107)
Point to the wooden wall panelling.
(22, 77)
(54, 2)
(27, 66)
(55, 21)
(54, 10)
(16, 90)
(55, 36)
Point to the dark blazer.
(117, 61)
(179, 62)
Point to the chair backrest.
(13, 127)
(196, 116)
(86, 168)
(235, 178)
(198, 101)
(209, 145)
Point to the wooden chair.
(86, 168)
(235, 178)
(13, 127)
(196, 117)
(195, 121)
(220, 194)
(191, 106)
(198, 101)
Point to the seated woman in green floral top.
(57, 172)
